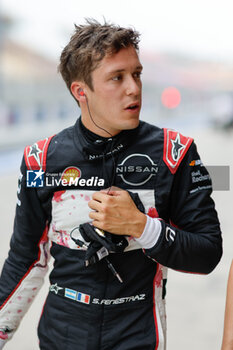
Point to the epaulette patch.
(175, 147)
(35, 155)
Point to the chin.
(132, 124)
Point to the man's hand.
(114, 211)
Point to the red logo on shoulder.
(175, 147)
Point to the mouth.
(133, 107)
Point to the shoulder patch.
(35, 155)
(175, 147)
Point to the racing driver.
(116, 202)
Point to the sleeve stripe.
(43, 238)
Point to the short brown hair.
(88, 46)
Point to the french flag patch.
(83, 298)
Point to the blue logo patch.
(35, 178)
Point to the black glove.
(101, 243)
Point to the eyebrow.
(123, 70)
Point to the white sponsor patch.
(197, 176)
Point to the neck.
(95, 126)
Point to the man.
(129, 200)
(227, 341)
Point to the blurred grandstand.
(34, 101)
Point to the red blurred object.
(171, 97)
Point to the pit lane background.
(195, 304)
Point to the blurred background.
(187, 53)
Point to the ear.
(77, 89)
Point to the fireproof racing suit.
(87, 308)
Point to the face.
(115, 102)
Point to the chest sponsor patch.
(136, 169)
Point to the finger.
(95, 215)
(111, 189)
(99, 196)
(98, 224)
(105, 190)
(115, 192)
(95, 205)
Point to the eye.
(117, 78)
(137, 75)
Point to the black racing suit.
(87, 307)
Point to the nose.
(133, 86)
